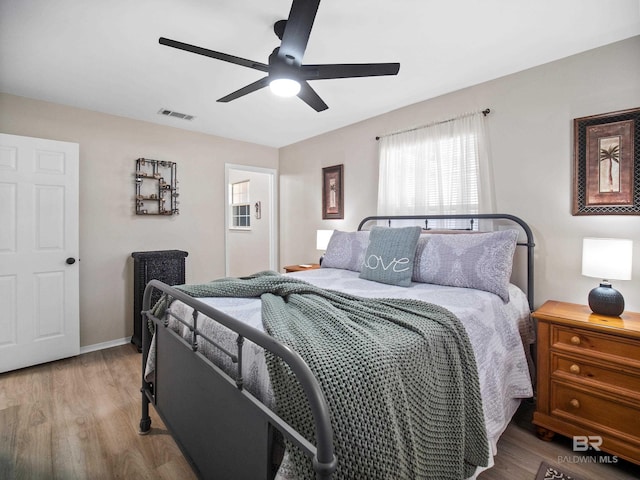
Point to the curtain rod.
(484, 112)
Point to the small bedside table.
(589, 377)
(301, 268)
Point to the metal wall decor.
(156, 187)
(607, 164)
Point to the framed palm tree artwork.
(332, 192)
(606, 172)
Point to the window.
(438, 169)
(240, 205)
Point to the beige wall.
(531, 138)
(109, 230)
(530, 128)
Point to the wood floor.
(78, 419)
(520, 453)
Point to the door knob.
(70, 260)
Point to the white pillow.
(475, 260)
(346, 250)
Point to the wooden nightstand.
(301, 268)
(589, 377)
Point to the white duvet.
(500, 334)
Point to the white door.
(38, 251)
(252, 247)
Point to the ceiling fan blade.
(217, 55)
(252, 87)
(297, 30)
(348, 70)
(311, 98)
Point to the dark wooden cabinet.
(168, 266)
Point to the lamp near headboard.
(608, 259)
(322, 241)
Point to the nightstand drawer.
(613, 375)
(596, 344)
(611, 414)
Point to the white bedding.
(500, 334)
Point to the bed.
(205, 367)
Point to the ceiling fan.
(286, 75)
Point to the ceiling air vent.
(171, 113)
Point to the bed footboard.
(223, 430)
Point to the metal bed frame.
(223, 430)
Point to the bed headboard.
(471, 222)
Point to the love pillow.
(390, 255)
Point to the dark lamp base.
(606, 300)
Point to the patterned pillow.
(346, 250)
(482, 260)
(390, 255)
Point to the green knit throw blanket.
(399, 376)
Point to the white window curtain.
(442, 168)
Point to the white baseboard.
(103, 345)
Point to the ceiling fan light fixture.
(284, 87)
(285, 72)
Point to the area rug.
(549, 472)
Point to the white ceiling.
(104, 55)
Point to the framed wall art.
(607, 164)
(332, 192)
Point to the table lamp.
(322, 241)
(608, 259)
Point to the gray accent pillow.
(346, 250)
(480, 260)
(390, 255)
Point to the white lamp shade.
(607, 258)
(284, 87)
(322, 239)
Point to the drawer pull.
(574, 368)
(574, 403)
(575, 340)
